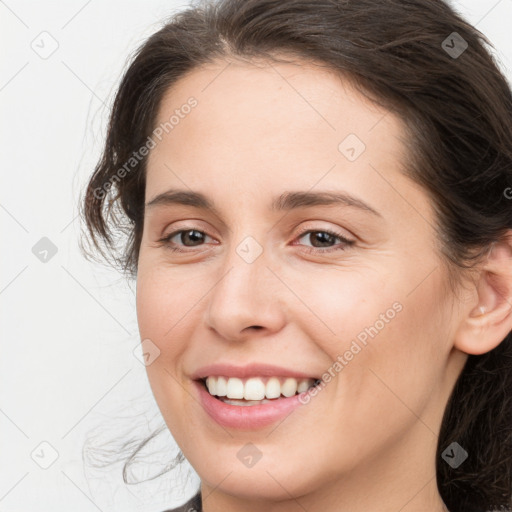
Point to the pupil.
(320, 235)
(186, 234)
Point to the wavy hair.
(417, 58)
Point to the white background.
(68, 327)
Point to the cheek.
(164, 299)
(382, 330)
(160, 304)
(168, 303)
(338, 306)
(402, 362)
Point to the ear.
(488, 318)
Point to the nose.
(246, 300)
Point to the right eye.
(188, 235)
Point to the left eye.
(325, 237)
(195, 237)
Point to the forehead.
(261, 97)
(262, 125)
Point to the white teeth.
(273, 388)
(235, 388)
(289, 388)
(255, 388)
(302, 386)
(221, 387)
(211, 384)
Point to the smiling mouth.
(255, 390)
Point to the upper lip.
(250, 370)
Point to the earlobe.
(487, 323)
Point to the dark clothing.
(194, 505)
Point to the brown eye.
(186, 237)
(324, 239)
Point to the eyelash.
(312, 250)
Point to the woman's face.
(257, 279)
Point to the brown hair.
(417, 58)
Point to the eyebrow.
(285, 202)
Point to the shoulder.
(192, 505)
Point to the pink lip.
(250, 370)
(246, 417)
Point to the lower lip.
(246, 416)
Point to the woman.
(320, 226)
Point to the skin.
(367, 441)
